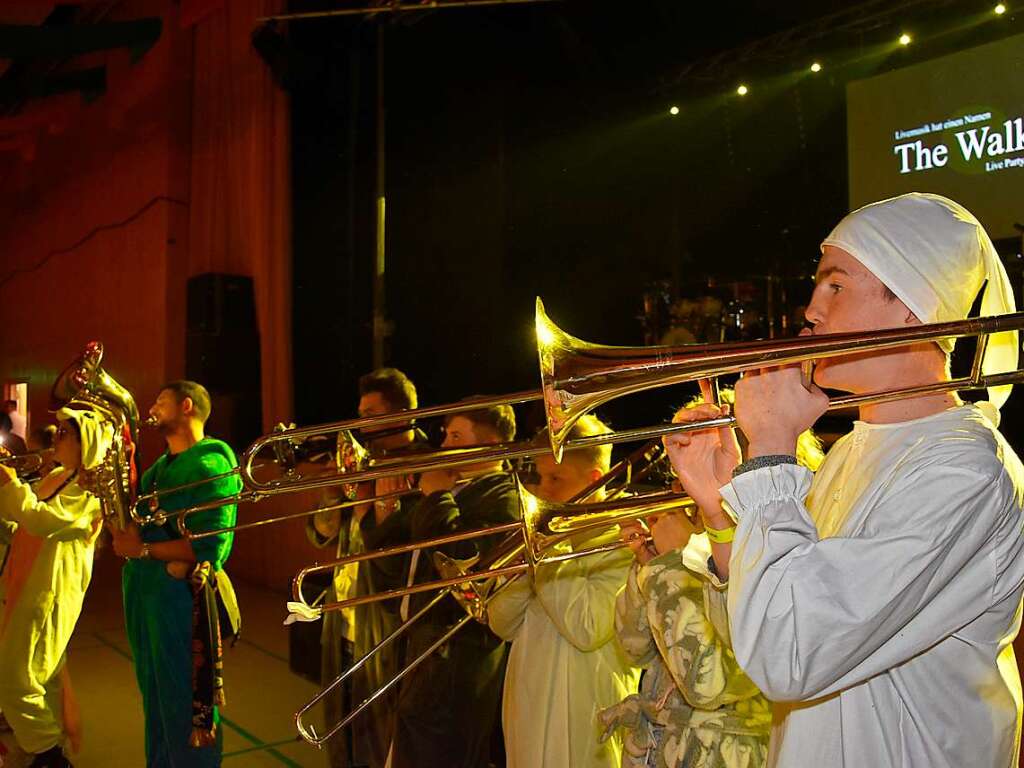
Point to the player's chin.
(825, 373)
(836, 374)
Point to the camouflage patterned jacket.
(696, 708)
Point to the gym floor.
(262, 692)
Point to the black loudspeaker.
(222, 352)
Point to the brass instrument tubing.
(458, 457)
(246, 460)
(428, 586)
(401, 549)
(505, 552)
(184, 531)
(624, 466)
(309, 733)
(185, 486)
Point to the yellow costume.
(48, 570)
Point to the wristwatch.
(144, 554)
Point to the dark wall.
(530, 152)
(524, 160)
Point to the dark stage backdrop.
(528, 153)
(522, 161)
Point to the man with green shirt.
(158, 578)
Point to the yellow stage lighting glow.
(815, 67)
(904, 39)
(742, 90)
(1000, 9)
(673, 110)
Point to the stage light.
(673, 110)
(999, 9)
(742, 90)
(904, 39)
(815, 67)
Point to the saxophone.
(85, 385)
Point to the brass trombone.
(542, 526)
(474, 599)
(546, 524)
(351, 457)
(27, 463)
(577, 377)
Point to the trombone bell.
(562, 408)
(577, 376)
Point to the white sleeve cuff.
(759, 487)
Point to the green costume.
(47, 573)
(158, 607)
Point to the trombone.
(351, 457)
(472, 598)
(542, 532)
(27, 463)
(577, 377)
(545, 525)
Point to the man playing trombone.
(349, 634)
(565, 665)
(876, 601)
(448, 705)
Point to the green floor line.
(260, 744)
(245, 751)
(261, 649)
(111, 646)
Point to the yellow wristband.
(723, 536)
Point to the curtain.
(240, 212)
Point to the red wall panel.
(93, 231)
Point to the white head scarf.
(935, 256)
(97, 434)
